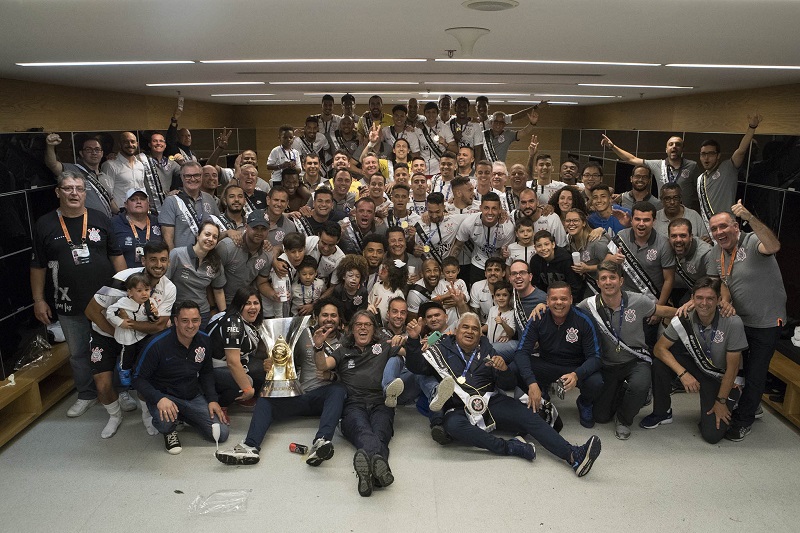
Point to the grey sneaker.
(393, 391)
(443, 393)
(519, 447)
(621, 431)
(321, 450)
(759, 412)
(381, 473)
(363, 468)
(241, 454)
(736, 434)
(126, 402)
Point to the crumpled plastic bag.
(221, 502)
(35, 354)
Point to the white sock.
(114, 420)
(147, 419)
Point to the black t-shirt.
(557, 269)
(231, 332)
(75, 284)
(257, 200)
(350, 304)
(362, 371)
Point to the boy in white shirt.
(452, 292)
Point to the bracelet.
(318, 348)
(682, 373)
(751, 127)
(248, 389)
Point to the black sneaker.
(654, 420)
(737, 433)
(381, 473)
(172, 443)
(583, 457)
(585, 413)
(363, 469)
(241, 454)
(440, 435)
(321, 450)
(519, 447)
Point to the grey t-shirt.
(685, 177)
(661, 224)
(496, 148)
(627, 200)
(191, 279)
(693, 263)
(629, 328)
(722, 336)
(720, 186)
(241, 267)
(171, 214)
(654, 257)
(755, 282)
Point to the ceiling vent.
(490, 5)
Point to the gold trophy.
(281, 381)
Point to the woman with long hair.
(392, 282)
(567, 198)
(592, 252)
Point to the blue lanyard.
(707, 342)
(464, 358)
(494, 242)
(438, 230)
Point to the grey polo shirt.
(755, 283)
(693, 263)
(654, 257)
(191, 279)
(172, 215)
(637, 308)
(661, 224)
(685, 177)
(722, 336)
(500, 144)
(278, 231)
(627, 200)
(720, 185)
(241, 266)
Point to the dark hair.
(294, 241)
(395, 229)
(277, 188)
(461, 99)
(460, 181)
(349, 341)
(313, 119)
(222, 203)
(503, 284)
(490, 197)
(367, 199)
(515, 261)
(484, 163)
(649, 172)
(376, 96)
(398, 276)
(451, 261)
(711, 142)
(604, 187)
(644, 207)
(539, 157)
(482, 98)
(399, 165)
(399, 107)
(285, 127)
(558, 284)
(396, 299)
(374, 237)
(610, 266)
(401, 186)
(347, 97)
(578, 202)
(212, 257)
(323, 190)
(470, 148)
(155, 247)
(679, 222)
(592, 164)
(352, 262)
(671, 187)
(524, 221)
(496, 261)
(708, 282)
(448, 154)
(339, 171)
(322, 302)
(331, 228)
(308, 262)
(288, 172)
(185, 304)
(327, 98)
(135, 279)
(312, 155)
(436, 198)
(544, 234)
(240, 299)
(342, 151)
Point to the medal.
(404, 224)
(461, 380)
(426, 248)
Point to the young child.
(523, 248)
(136, 307)
(351, 291)
(294, 250)
(552, 263)
(393, 282)
(307, 288)
(452, 292)
(500, 325)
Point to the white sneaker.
(241, 454)
(54, 330)
(80, 407)
(126, 402)
(393, 390)
(443, 393)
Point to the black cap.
(432, 304)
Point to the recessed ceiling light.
(485, 94)
(634, 86)
(368, 93)
(701, 65)
(328, 60)
(464, 83)
(344, 83)
(274, 100)
(103, 63)
(490, 5)
(578, 95)
(245, 94)
(201, 83)
(548, 62)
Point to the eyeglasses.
(192, 176)
(570, 222)
(93, 150)
(362, 325)
(592, 175)
(79, 190)
(517, 274)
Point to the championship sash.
(433, 252)
(476, 405)
(489, 146)
(519, 313)
(510, 200)
(343, 143)
(633, 269)
(683, 327)
(303, 226)
(605, 325)
(186, 205)
(93, 182)
(436, 148)
(152, 183)
(249, 206)
(355, 234)
(422, 290)
(706, 211)
(227, 222)
(687, 279)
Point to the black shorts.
(103, 353)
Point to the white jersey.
(545, 192)
(551, 223)
(326, 263)
(278, 156)
(471, 133)
(487, 240)
(427, 135)
(442, 288)
(480, 297)
(389, 137)
(517, 251)
(439, 237)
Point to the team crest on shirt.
(630, 315)
(585, 256)
(209, 271)
(279, 235)
(357, 300)
(652, 254)
(128, 241)
(351, 363)
(156, 230)
(376, 349)
(691, 269)
(715, 175)
(260, 263)
(741, 254)
(719, 336)
(97, 355)
(572, 335)
(94, 234)
(685, 173)
(199, 354)
(207, 208)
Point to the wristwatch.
(722, 400)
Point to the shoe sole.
(393, 391)
(381, 471)
(443, 393)
(653, 426)
(174, 451)
(234, 461)
(592, 453)
(323, 453)
(364, 473)
(439, 435)
(737, 439)
(621, 436)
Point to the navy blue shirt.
(128, 242)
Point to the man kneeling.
(476, 409)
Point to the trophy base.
(282, 389)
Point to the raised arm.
(50, 159)
(769, 242)
(622, 154)
(741, 152)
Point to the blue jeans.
(547, 373)
(195, 413)
(509, 415)
(77, 331)
(325, 402)
(761, 342)
(413, 384)
(368, 427)
(506, 349)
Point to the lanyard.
(494, 242)
(66, 232)
(303, 290)
(438, 230)
(464, 358)
(417, 208)
(288, 155)
(617, 334)
(136, 235)
(723, 273)
(707, 342)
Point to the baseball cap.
(256, 218)
(133, 191)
